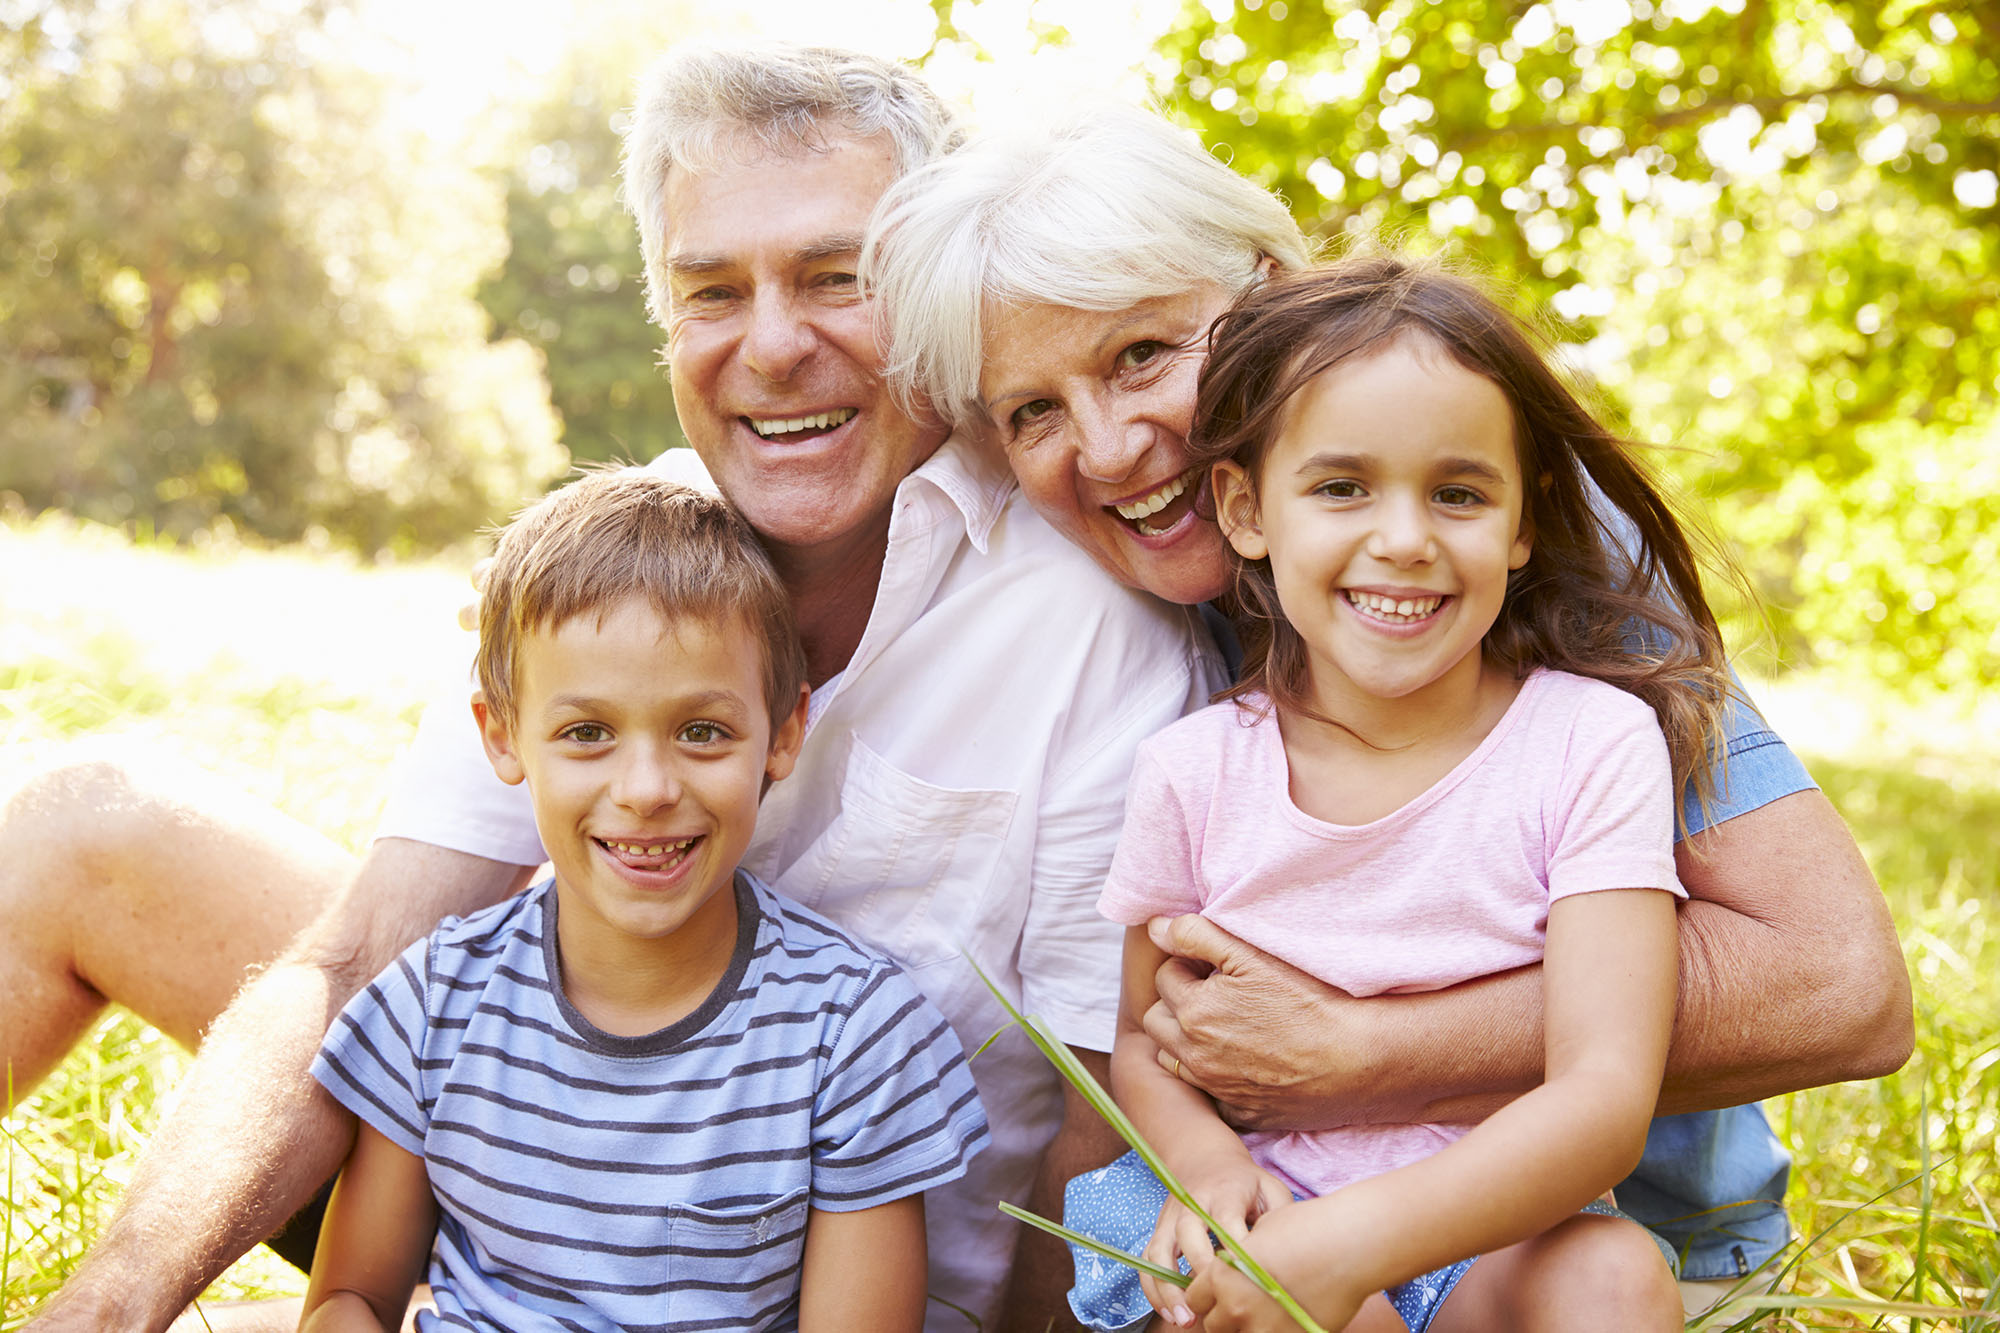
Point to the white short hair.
(704, 103)
(1101, 209)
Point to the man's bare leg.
(142, 880)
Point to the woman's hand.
(1271, 1044)
(1236, 1192)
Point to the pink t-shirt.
(1569, 793)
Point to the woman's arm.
(1791, 976)
(1609, 977)
(865, 1270)
(374, 1242)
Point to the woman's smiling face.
(1092, 410)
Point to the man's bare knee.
(152, 883)
(94, 810)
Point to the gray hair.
(705, 103)
(1099, 210)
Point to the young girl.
(1468, 618)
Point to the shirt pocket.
(906, 863)
(736, 1267)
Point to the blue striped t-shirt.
(592, 1181)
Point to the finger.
(1195, 937)
(1160, 1250)
(1165, 1030)
(1199, 1297)
(1177, 979)
(1191, 1237)
(468, 615)
(480, 567)
(1271, 1195)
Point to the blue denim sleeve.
(1757, 769)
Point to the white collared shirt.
(958, 797)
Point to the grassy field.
(297, 678)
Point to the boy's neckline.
(661, 1040)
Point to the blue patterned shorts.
(1119, 1205)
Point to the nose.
(1403, 534)
(1109, 445)
(779, 338)
(647, 780)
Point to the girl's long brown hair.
(1622, 607)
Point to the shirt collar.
(974, 480)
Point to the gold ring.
(1177, 1066)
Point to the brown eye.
(1139, 353)
(1032, 411)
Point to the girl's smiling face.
(1389, 505)
(1092, 410)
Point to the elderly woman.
(1050, 293)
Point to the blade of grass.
(1772, 1301)
(1071, 1068)
(1923, 1200)
(1094, 1245)
(997, 1034)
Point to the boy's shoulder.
(805, 941)
(516, 917)
(469, 949)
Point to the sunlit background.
(296, 297)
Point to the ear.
(786, 740)
(1236, 509)
(1267, 266)
(1524, 540)
(498, 739)
(1524, 546)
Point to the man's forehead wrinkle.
(834, 246)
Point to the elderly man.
(979, 688)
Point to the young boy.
(648, 1093)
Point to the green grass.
(298, 678)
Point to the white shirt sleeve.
(444, 792)
(442, 789)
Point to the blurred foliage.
(1767, 228)
(230, 291)
(571, 284)
(231, 288)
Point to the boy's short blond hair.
(624, 533)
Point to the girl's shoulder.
(1223, 736)
(1231, 722)
(1553, 699)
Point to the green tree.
(571, 284)
(1767, 228)
(229, 291)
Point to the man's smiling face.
(776, 371)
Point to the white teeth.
(769, 426)
(650, 849)
(1392, 608)
(1147, 505)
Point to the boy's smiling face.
(645, 745)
